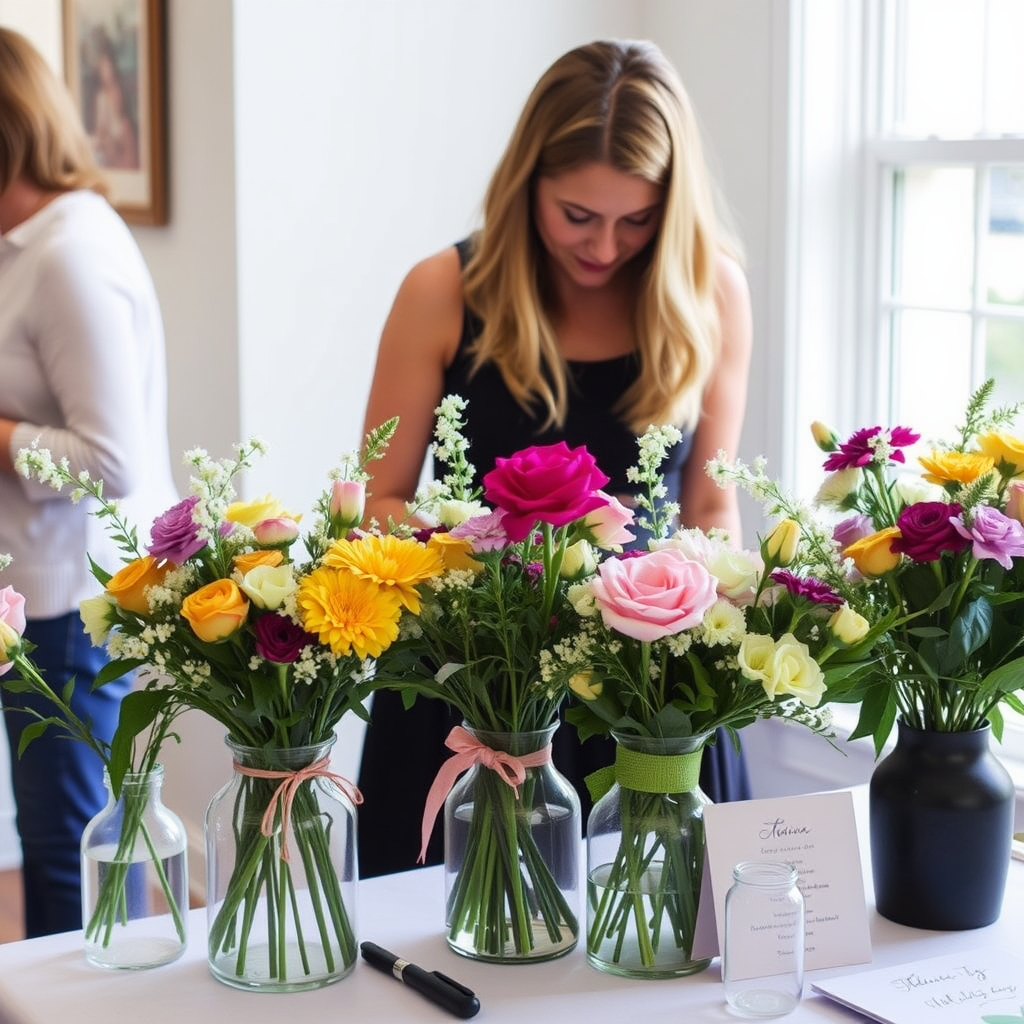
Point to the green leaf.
(971, 628)
(33, 731)
(1005, 679)
(139, 709)
(115, 670)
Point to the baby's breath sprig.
(656, 516)
(450, 449)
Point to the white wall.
(319, 147)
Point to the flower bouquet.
(276, 647)
(941, 556)
(135, 882)
(940, 559)
(669, 645)
(512, 823)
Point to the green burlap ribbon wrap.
(646, 773)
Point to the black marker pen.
(433, 985)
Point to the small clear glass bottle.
(763, 958)
(134, 878)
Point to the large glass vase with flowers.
(512, 823)
(940, 556)
(668, 646)
(134, 866)
(276, 646)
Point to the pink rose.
(1015, 500)
(277, 532)
(348, 503)
(12, 618)
(544, 483)
(653, 596)
(607, 523)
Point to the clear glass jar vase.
(135, 878)
(512, 857)
(645, 860)
(281, 872)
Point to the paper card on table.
(818, 834)
(956, 988)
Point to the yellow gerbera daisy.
(349, 612)
(392, 562)
(955, 467)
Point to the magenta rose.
(544, 483)
(175, 534)
(279, 639)
(926, 530)
(653, 596)
(993, 535)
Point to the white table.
(47, 981)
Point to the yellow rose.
(779, 547)
(248, 560)
(267, 586)
(10, 643)
(215, 611)
(955, 467)
(585, 686)
(873, 555)
(847, 626)
(792, 671)
(249, 513)
(128, 586)
(455, 552)
(1004, 448)
(578, 560)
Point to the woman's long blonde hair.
(41, 134)
(623, 104)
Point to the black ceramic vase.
(941, 825)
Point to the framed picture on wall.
(114, 66)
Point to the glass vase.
(512, 858)
(281, 872)
(645, 860)
(940, 810)
(134, 878)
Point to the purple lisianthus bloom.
(926, 530)
(484, 532)
(279, 639)
(810, 588)
(175, 534)
(852, 528)
(864, 447)
(993, 534)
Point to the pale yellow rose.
(269, 586)
(585, 686)
(581, 597)
(955, 467)
(1002, 447)
(579, 560)
(128, 586)
(98, 616)
(248, 560)
(737, 572)
(754, 655)
(848, 626)
(912, 489)
(249, 513)
(452, 513)
(872, 555)
(215, 611)
(10, 642)
(838, 486)
(791, 671)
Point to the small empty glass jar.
(763, 958)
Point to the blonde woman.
(600, 295)
(82, 369)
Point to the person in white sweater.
(82, 373)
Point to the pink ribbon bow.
(468, 752)
(285, 794)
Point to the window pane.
(932, 371)
(1002, 262)
(934, 232)
(1004, 359)
(1004, 69)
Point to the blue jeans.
(58, 782)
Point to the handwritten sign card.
(957, 988)
(817, 833)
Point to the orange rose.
(128, 586)
(215, 611)
(250, 559)
(455, 552)
(873, 555)
(955, 467)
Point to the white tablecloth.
(47, 981)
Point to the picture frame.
(114, 52)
